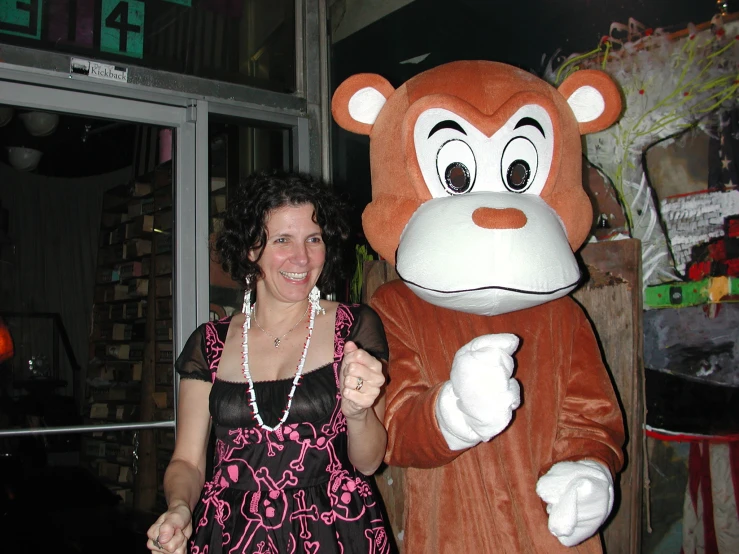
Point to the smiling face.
(293, 255)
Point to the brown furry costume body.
(483, 240)
(484, 499)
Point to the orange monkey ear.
(594, 99)
(358, 101)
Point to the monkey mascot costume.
(477, 199)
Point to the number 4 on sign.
(122, 27)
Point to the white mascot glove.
(477, 402)
(579, 497)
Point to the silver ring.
(360, 384)
(157, 543)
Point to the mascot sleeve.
(414, 437)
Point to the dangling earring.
(315, 299)
(247, 295)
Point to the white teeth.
(296, 276)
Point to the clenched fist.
(477, 402)
(579, 497)
(362, 380)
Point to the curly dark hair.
(250, 203)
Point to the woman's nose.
(300, 254)
(499, 218)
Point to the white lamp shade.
(23, 159)
(40, 124)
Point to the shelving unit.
(130, 373)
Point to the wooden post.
(612, 298)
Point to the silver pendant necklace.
(278, 340)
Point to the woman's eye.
(456, 166)
(519, 164)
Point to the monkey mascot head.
(476, 179)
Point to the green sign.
(22, 18)
(122, 27)
(121, 23)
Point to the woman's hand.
(361, 379)
(170, 532)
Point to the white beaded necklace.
(298, 372)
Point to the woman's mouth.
(294, 276)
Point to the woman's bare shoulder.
(237, 321)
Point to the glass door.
(95, 263)
(236, 148)
(233, 142)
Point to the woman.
(294, 388)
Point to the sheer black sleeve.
(368, 332)
(191, 363)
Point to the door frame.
(299, 128)
(181, 120)
(43, 80)
(188, 117)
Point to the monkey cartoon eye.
(519, 164)
(456, 166)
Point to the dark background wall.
(518, 32)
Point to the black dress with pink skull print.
(291, 490)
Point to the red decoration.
(6, 342)
(732, 226)
(699, 271)
(732, 268)
(717, 250)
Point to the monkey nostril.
(494, 218)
